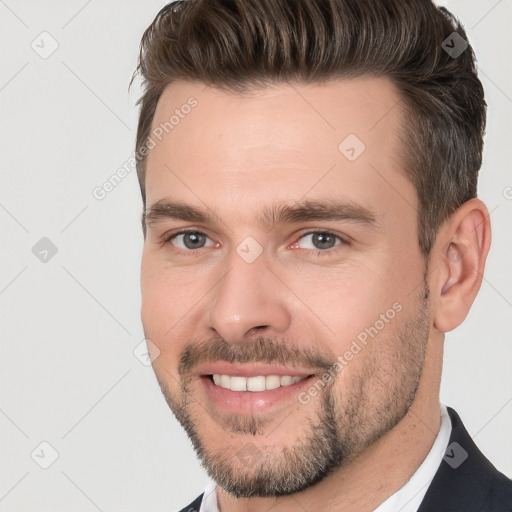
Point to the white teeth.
(256, 383)
(238, 384)
(286, 380)
(273, 382)
(225, 381)
(260, 383)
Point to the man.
(308, 170)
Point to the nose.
(249, 301)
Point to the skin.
(235, 155)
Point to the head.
(308, 171)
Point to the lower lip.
(252, 401)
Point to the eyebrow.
(302, 211)
(325, 210)
(174, 210)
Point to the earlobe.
(460, 253)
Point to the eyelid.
(180, 231)
(344, 240)
(167, 238)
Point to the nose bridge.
(247, 297)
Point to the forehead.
(282, 142)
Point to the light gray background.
(69, 326)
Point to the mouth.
(254, 384)
(251, 388)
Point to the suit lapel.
(462, 480)
(465, 481)
(194, 506)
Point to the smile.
(258, 383)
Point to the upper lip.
(248, 370)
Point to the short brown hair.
(241, 45)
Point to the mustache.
(258, 350)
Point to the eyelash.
(197, 252)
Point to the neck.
(377, 473)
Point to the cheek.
(164, 294)
(170, 310)
(155, 303)
(338, 294)
(158, 312)
(352, 303)
(157, 319)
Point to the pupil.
(193, 240)
(323, 240)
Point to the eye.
(189, 240)
(322, 240)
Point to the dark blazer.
(465, 481)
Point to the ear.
(459, 256)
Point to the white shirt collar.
(408, 498)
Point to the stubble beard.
(338, 427)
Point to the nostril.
(257, 331)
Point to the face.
(282, 280)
